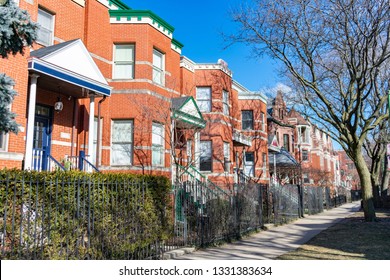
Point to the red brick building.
(308, 152)
(105, 86)
(349, 176)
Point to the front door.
(42, 138)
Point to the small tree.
(16, 31)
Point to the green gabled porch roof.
(187, 112)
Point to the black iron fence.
(53, 216)
(80, 217)
(205, 216)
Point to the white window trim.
(52, 29)
(125, 62)
(4, 145)
(161, 70)
(131, 142)
(225, 102)
(262, 121)
(242, 121)
(226, 150)
(202, 99)
(159, 147)
(211, 155)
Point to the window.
(16, 2)
(203, 99)
(158, 67)
(122, 142)
(3, 141)
(286, 142)
(262, 118)
(225, 101)
(226, 156)
(249, 164)
(305, 155)
(123, 62)
(189, 151)
(304, 134)
(205, 156)
(306, 178)
(226, 151)
(264, 155)
(247, 119)
(157, 144)
(46, 28)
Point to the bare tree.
(334, 53)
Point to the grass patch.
(351, 239)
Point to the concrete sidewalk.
(276, 241)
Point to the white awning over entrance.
(69, 62)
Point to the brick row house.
(300, 150)
(106, 87)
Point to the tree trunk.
(365, 181)
(375, 173)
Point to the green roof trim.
(177, 43)
(185, 117)
(119, 4)
(142, 13)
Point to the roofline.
(147, 13)
(119, 4)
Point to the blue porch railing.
(46, 162)
(82, 163)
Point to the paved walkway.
(276, 241)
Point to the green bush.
(74, 215)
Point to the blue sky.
(198, 25)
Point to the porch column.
(91, 127)
(30, 122)
(172, 146)
(197, 150)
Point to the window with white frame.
(46, 28)
(205, 156)
(225, 101)
(305, 155)
(3, 141)
(203, 99)
(249, 164)
(189, 151)
(122, 142)
(306, 178)
(247, 119)
(286, 142)
(262, 118)
(158, 67)
(264, 156)
(16, 2)
(226, 150)
(157, 144)
(123, 61)
(304, 134)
